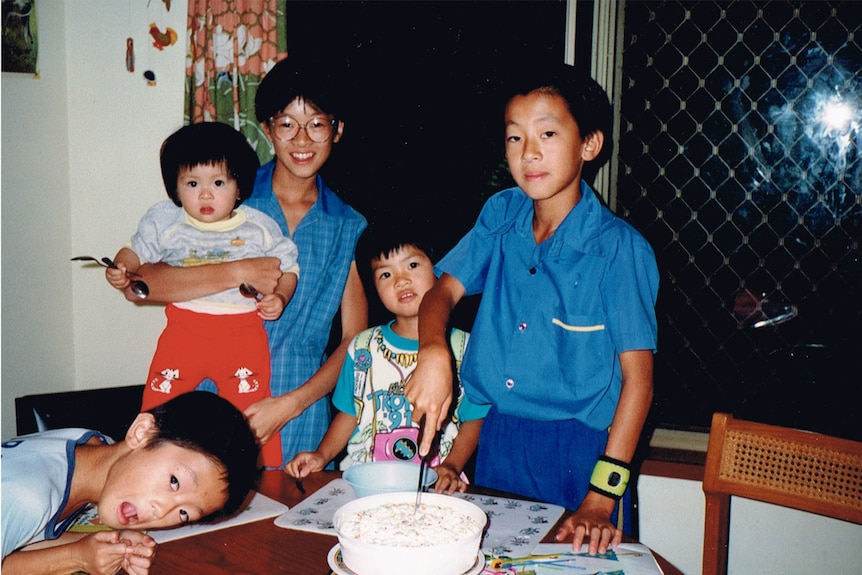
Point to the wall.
(79, 167)
(764, 538)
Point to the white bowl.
(452, 557)
(378, 477)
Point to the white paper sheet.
(259, 507)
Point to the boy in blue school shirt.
(563, 342)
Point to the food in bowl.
(381, 534)
(377, 477)
(408, 525)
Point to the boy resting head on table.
(374, 420)
(191, 459)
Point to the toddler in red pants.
(208, 170)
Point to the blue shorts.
(549, 461)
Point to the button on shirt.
(554, 316)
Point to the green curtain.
(232, 44)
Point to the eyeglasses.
(319, 128)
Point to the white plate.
(336, 562)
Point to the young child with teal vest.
(374, 419)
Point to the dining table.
(263, 548)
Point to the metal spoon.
(139, 288)
(248, 291)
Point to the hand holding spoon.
(139, 288)
(248, 291)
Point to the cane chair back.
(783, 466)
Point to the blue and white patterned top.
(326, 238)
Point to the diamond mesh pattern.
(786, 466)
(752, 207)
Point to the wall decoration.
(20, 41)
(163, 39)
(130, 54)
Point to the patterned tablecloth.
(515, 527)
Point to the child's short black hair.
(208, 424)
(383, 238)
(208, 144)
(315, 81)
(586, 99)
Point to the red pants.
(231, 350)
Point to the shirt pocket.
(585, 326)
(584, 349)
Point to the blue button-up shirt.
(554, 317)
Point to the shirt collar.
(579, 230)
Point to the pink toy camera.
(401, 444)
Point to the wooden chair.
(788, 467)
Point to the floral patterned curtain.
(232, 44)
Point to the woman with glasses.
(298, 105)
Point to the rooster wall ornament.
(163, 39)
